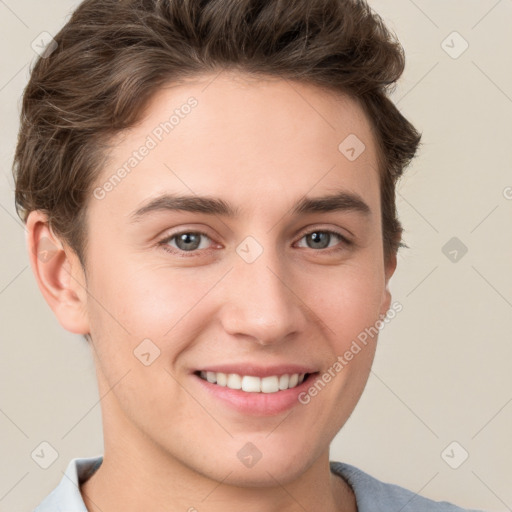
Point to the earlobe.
(390, 268)
(58, 273)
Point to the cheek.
(347, 302)
(147, 301)
(167, 308)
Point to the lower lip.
(260, 404)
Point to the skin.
(260, 145)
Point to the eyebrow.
(340, 201)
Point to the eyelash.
(164, 243)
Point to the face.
(244, 282)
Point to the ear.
(389, 270)
(59, 274)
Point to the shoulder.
(373, 494)
(66, 497)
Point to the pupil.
(317, 236)
(187, 239)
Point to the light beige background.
(443, 367)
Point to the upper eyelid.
(166, 238)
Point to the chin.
(251, 467)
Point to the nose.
(259, 302)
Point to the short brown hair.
(113, 55)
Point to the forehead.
(229, 133)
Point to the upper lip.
(258, 370)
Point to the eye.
(320, 239)
(185, 241)
(191, 241)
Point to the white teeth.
(221, 379)
(270, 384)
(234, 381)
(284, 381)
(252, 384)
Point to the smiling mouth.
(253, 384)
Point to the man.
(215, 183)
